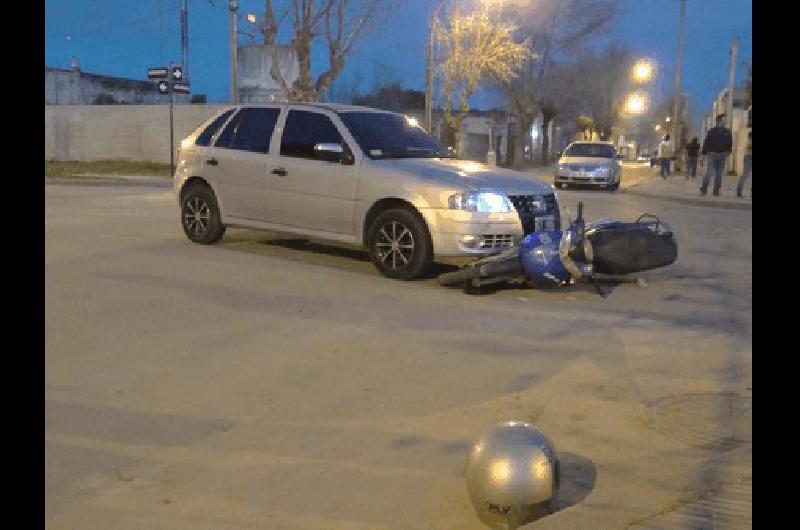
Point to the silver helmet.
(512, 475)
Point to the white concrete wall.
(129, 132)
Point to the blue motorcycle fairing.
(540, 259)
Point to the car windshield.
(590, 150)
(383, 135)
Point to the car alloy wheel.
(395, 244)
(196, 216)
(200, 215)
(399, 244)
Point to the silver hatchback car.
(355, 176)
(589, 163)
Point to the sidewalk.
(648, 183)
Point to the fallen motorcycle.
(583, 252)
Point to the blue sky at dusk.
(124, 38)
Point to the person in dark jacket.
(717, 146)
(692, 150)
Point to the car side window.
(225, 139)
(250, 130)
(303, 130)
(205, 137)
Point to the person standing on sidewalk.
(717, 146)
(748, 166)
(665, 152)
(692, 150)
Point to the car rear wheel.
(399, 244)
(200, 215)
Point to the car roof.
(594, 142)
(335, 107)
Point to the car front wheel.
(400, 245)
(200, 215)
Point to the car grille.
(497, 241)
(529, 207)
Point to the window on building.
(205, 137)
(304, 130)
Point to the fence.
(129, 132)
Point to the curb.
(110, 181)
(697, 201)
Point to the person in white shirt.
(666, 150)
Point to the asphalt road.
(257, 384)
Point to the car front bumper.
(456, 233)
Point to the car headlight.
(480, 202)
(602, 171)
(562, 168)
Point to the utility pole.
(676, 105)
(429, 70)
(731, 94)
(185, 38)
(171, 119)
(233, 6)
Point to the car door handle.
(279, 171)
(212, 162)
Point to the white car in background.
(590, 164)
(356, 176)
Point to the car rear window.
(250, 130)
(205, 137)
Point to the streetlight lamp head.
(643, 71)
(635, 103)
(668, 119)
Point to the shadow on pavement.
(578, 477)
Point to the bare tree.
(555, 31)
(340, 23)
(473, 48)
(607, 83)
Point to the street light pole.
(232, 6)
(429, 70)
(676, 119)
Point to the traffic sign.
(160, 72)
(181, 87)
(163, 87)
(177, 73)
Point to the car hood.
(473, 176)
(586, 160)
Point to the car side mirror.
(558, 154)
(329, 152)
